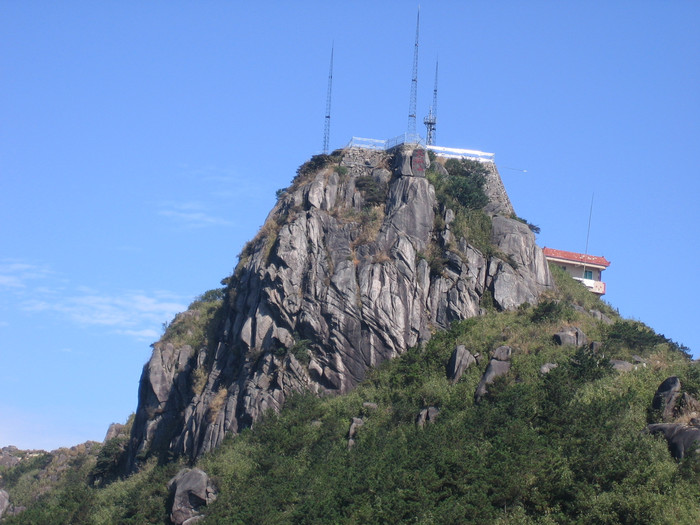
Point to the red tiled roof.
(576, 257)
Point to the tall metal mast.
(327, 127)
(431, 120)
(414, 84)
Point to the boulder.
(521, 273)
(4, 502)
(665, 398)
(402, 161)
(621, 366)
(690, 407)
(570, 336)
(597, 314)
(494, 370)
(681, 439)
(427, 415)
(502, 353)
(595, 346)
(191, 489)
(547, 368)
(356, 423)
(460, 361)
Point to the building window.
(588, 274)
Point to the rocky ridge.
(341, 277)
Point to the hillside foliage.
(561, 447)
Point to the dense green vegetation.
(561, 447)
(462, 191)
(565, 447)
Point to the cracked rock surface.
(336, 282)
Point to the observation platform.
(413, 138)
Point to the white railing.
(594, 286)
(413, 138)
(359, 142)
(406, 138)
(457, 153)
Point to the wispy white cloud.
(16, 274)
(212, 190)
(36, 289)
(191, 214)
(135, 314)
(144, 334)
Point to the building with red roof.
(585, 268)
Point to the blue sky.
(141, 144)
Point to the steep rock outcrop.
(336, 282)
(460, 360)
(664, 401)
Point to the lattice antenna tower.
(431, 120)
(414, 84)
(327, 126)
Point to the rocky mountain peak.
(364, 256)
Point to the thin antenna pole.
(588, 234)
(590, 214)
(414, 84)
(327, 127)
(431, 120)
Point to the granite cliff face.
(357, 262)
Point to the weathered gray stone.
(601, 316)
(665, 398)
(524, 274)
(427, 415)
(113, 431)
(690, 407)
(370, 405)
(494, 370)
(459, 362)
(681, 438)
(359, 291)
(621, 366)
(502, 353)
(192, 489)
(570, 336)
(4, 502)
(354, 425)
(548, 367)
(403, 161)
(9, 456)
(595, 346)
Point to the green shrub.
(533, 228)
(372, 190)
(315, 164)
(462, 191)
(551, 312)
(638, 337)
